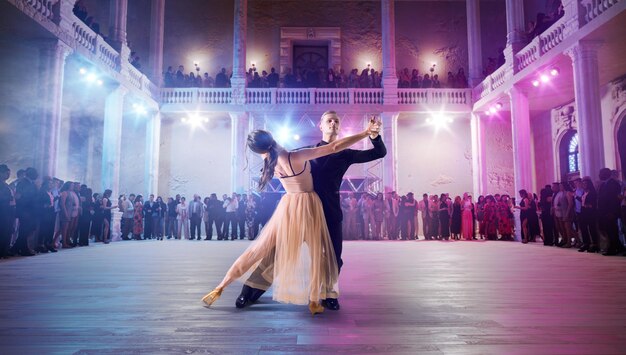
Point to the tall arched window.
(572, 155)
(569, 156)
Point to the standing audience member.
(47, 217)
(158, 216)
(171, 222)
(195, 217)
(608, 211)
(138, 218)
(7, 211)
(588, 217)
(182, 213)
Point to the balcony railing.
(595, 8)
(314, 96)
(543, 45)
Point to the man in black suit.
(26, 207)
(327, 174)
(609, 211)
(149, 208)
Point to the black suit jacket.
(328, 174)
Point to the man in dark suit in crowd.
(26, 207)
(609, 211)
(7, 211)
(327, 174)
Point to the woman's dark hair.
(107, 193)
(66, 186)
(260, 142)
(523, 193)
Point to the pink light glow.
(544, 78)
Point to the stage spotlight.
(140, 109)
(499, 106)
(283, 135)
(91, 77)
(554, 71)
(99, 82)
(493, 109)
(296, 137)
(194, 120)
(544, 78)
(535, 83)
(82, 71)
(488, 113)
(438, 120)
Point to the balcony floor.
(397, 297)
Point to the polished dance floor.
(421, 297)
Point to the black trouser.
(208, 227)
(195, 221)
(547, 221)
(336, 237)
(231, 219)
(46, 227)
(608, 226)
(7, 220)
(588, 227)
(241, 220)
(221, 226)
(28, 226)
(127, 227)
(84, 224)
(147, 227)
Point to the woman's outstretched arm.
(334, 147)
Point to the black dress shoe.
(331, 303)
(583, 249)
(27, 252)
(248, 296)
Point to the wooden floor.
(396, 297)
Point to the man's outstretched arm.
(363, 156)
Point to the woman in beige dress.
(301, 274)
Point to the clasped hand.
(373, 127)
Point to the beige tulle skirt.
(293, 252)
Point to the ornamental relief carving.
(564, 118)
(618, 96)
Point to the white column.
(153, 144)
(240, 127)
(112, 140)
(474, 43)
(479, 168)
(390, 161)
(588, 107)
(52, 71)
(157, 25)
(515, 24)
(389, 79)
(118, 14)
(520, 124)
(238, 81)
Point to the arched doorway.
(569, 156)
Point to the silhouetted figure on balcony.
(221, 79)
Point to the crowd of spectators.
(306, 78)
(543, 21)
(565, 214)
(43, 215)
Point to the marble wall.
(195, 160)
(434, 161)
(499, 153)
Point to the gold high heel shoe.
(212, 296)
(315, 308)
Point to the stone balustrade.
(314, 96)
(544, 44)
(595, 8)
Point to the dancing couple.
(309, 213)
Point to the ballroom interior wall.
(195, 160)
(433, 161)
(498, 145)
